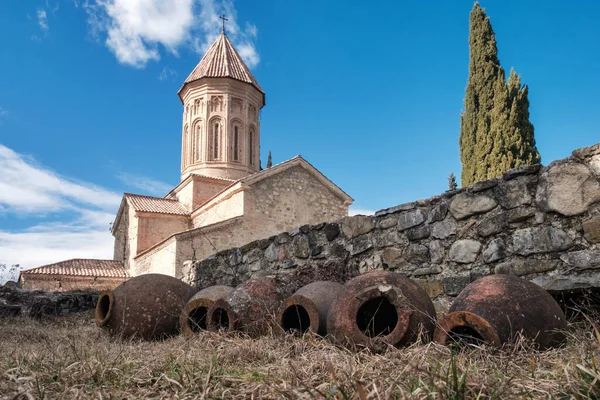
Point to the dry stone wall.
(541, 223)
(15, 301)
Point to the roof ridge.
(81, 267)
(222, 61)
(149, 197)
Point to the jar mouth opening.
(104, 307)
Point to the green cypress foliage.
(495, 132)
(452, 182)
(269, 160)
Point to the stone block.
(388, 222)
(300, 246)
(272, 253)
(483, 185)
(331, 231)
(520, 171)
(494, 251)
(582, 259)
(388, 237)
(439, 212)
(543, 239)
(409, 219)
(522, 267)
(234, 256)
(453, 285)
(282, 238)
(391, 257)
(427, 271)
(416, 253)
(561, 283)
(418, 233)
(591, 230)
(436, 251)
(392, 210)
(465, 205)
(432, 288)
(492, 225)
(464, 251)
(356, 225)
(513, 193)
(444, 229)
(361, 244)
(568, 189)
(520, 214)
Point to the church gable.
(291, 197)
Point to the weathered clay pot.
(249, 308)
(307, 308)
(147, 306)
(381, 308)
(194, 315)
(498, 308)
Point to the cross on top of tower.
(224, 19)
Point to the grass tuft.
(70, 357)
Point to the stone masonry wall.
(541, 223)
(15, 301)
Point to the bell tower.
(221, 115)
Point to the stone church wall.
(541, 223)
(59, 283)
(289, 199)
(153, 228)
(228, 208)
(271, 205)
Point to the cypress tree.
(495, 132)
(269, 160)
(452, 182)
(475, 121)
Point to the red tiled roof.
(82, 267)
(213, 177)
(155, 204)
(223, 61)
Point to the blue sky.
(370, 94)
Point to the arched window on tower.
(215, 140)
(236, 143)
(184, 155)
(251, 146)
(198, 143)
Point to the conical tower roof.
(222, 61)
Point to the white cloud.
(147, 185)
(43, 20)
(29, 190)
(166, 73)
(46, 244)
(360, 211)
(136, 29)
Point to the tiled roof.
(155, 204)
(223, 61)
(213, 177)
(82, 267)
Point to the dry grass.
(71, 358)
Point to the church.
(223, 199)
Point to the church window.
(251, 147)
(216, 142)
(184, 156)
(197, 142)
(235, 143)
